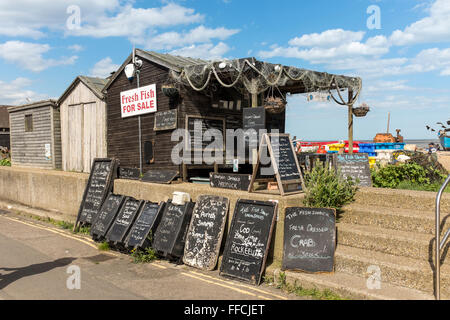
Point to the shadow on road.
(31, 270)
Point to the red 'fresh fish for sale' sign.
(139, 101)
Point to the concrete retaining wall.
(51, 190)
(61, 192)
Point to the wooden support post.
(254, 151)
(350, 122)
(254, 100)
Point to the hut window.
(28, 123)
(148, 152)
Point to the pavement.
(41, 261)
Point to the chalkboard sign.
(124, 220)
(205, 232)
(285, 157)
(106, 215)
(356, 166)
(165, 120)
(160, 176)
(170, 236)
(129, 173)
(146, 222)
(229, 181)
(254, 118)
(248, 241)
(204, 123)
(283, 163)
(309, 239)
(98, 186)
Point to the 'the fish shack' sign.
(139, 101)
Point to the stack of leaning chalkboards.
(193, 233)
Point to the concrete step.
(394, 218)
(349, 286)
(400, 243)
(405, 199)
(395, 270)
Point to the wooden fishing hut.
(36, 135)
(83, 123)
(213, 92)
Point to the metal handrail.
(439, 245)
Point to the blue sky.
(404, 65)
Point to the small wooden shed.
(36, 135)
(4, 127)
(83, 123)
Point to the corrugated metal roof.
(4, 117)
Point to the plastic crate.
(335, 146)
(367, 147)
(399, 146)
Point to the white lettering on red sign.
(138, 101)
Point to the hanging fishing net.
(255, 77)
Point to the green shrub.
(327, 188)
(143, 255)
(391, 176)
(5, 162)
(103, 246)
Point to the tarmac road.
(40, 261)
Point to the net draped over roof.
(252, 76)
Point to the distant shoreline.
(421, 143)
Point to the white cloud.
(199, 34)
(207, 51)
(374, 46)
(31, 18)
(433, 28)
(136, 23)
(76, 48)
(327, 38)
(29, 56)
(103, 68)
(16, 92)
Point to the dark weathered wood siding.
(4, 139)
(123, 133)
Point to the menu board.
(146, 223)
(170, 236)
(165, 120)
(285, 157)
(229, 181)
(98, 186)
(309, 239)
(124, 220)
(254, 118)
(106, 215)
(282, 165)
(129, 173)
(356, 166)
(248, 241)
(205, 232)
(197, 126)
(160, 176)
